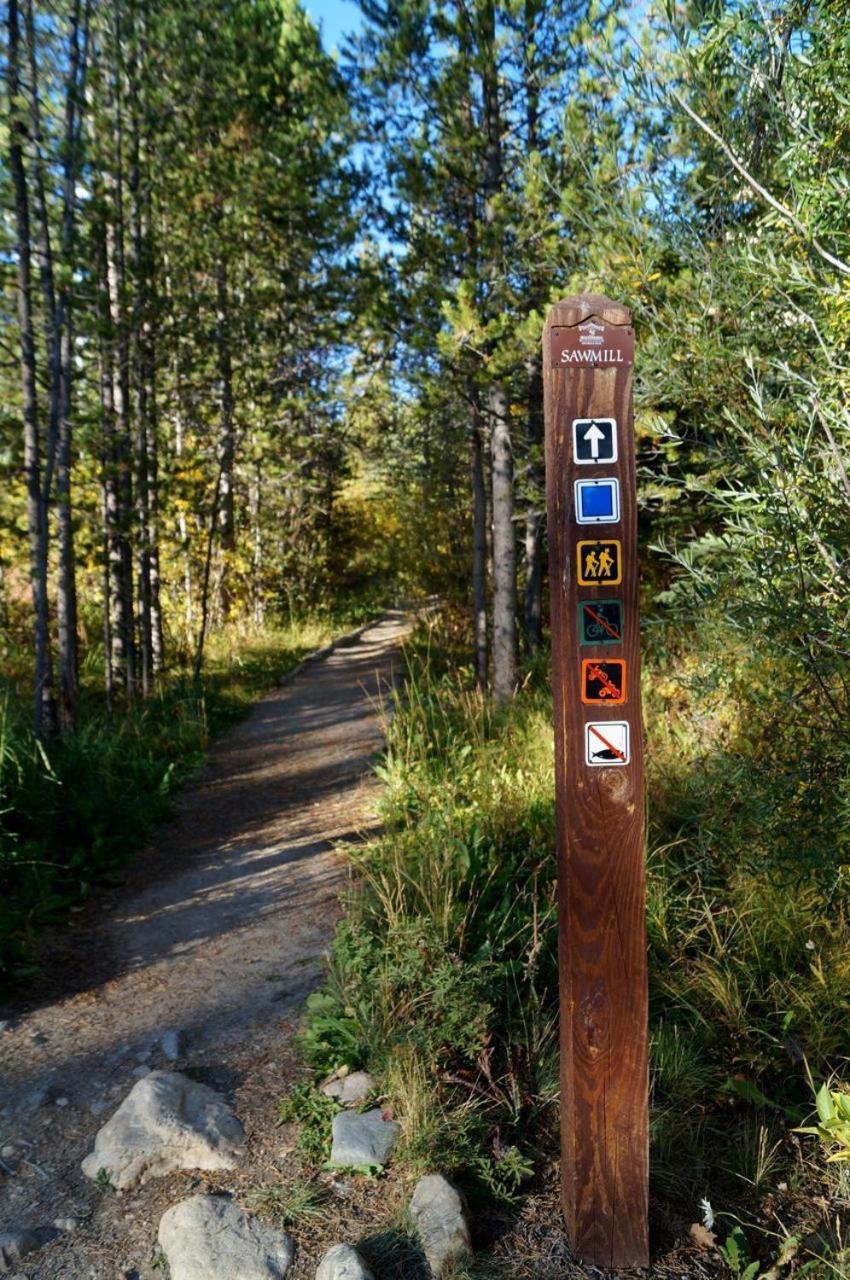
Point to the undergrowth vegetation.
(73, 810)
(443, 976)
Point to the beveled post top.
(581, 306)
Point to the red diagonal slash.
(597, 617)
(608, 744)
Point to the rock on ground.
(349, 1090)
(343, 1263)
(362, 1139)
(210, 1238)
(438, 1213)
(166, 1122)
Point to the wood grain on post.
(588, 346)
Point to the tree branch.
(781, 209)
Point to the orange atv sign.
(603, 681)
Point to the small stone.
(343, 1263)
(171, 1045)
(98, 1108)
(62, 1102)
(350, 1090)
(166, 1122)
(8, 1152)
(66, 1224)
(210, 1238)
(141, 1071)
(365, 1139)
(438, 1213)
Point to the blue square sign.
(597, 501)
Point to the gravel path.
(219, 933)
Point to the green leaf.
(825, 1105)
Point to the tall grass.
(444, 977)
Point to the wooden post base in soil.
(588, 348)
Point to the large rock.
(350, 1090)
(210, 1238)
(166, 1122)
(438, 1213)
(365, 1139)
(343, 1263)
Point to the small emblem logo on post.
(600, 622)
(594, 441)
(599, 563)
(597, 501)
(606, 745)
(603, 681)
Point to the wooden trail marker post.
(588, 353)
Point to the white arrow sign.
(594, 435)
(594, 441)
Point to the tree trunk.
(504, 549)
(504, 542)
(227, 440)
(43, 708)
(535, 497)
(67, 579)
(534, 523)
(141, 370)
(120, 506)
(479, 540)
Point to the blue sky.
(336, 18)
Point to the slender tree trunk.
(534, 514)
(479, 539)
(152, 531)
(227, 445)
(43, 709)
(121, 482)
(205, 583)
(255, 495)
(113, 459)
(66, 597)
(504, 549)
(504, 539)
(67, 578)
(182, 523)
(141, 377)
(534, 524)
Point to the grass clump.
(286, 1204)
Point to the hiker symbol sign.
(599, 563)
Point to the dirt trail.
(219, 933)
